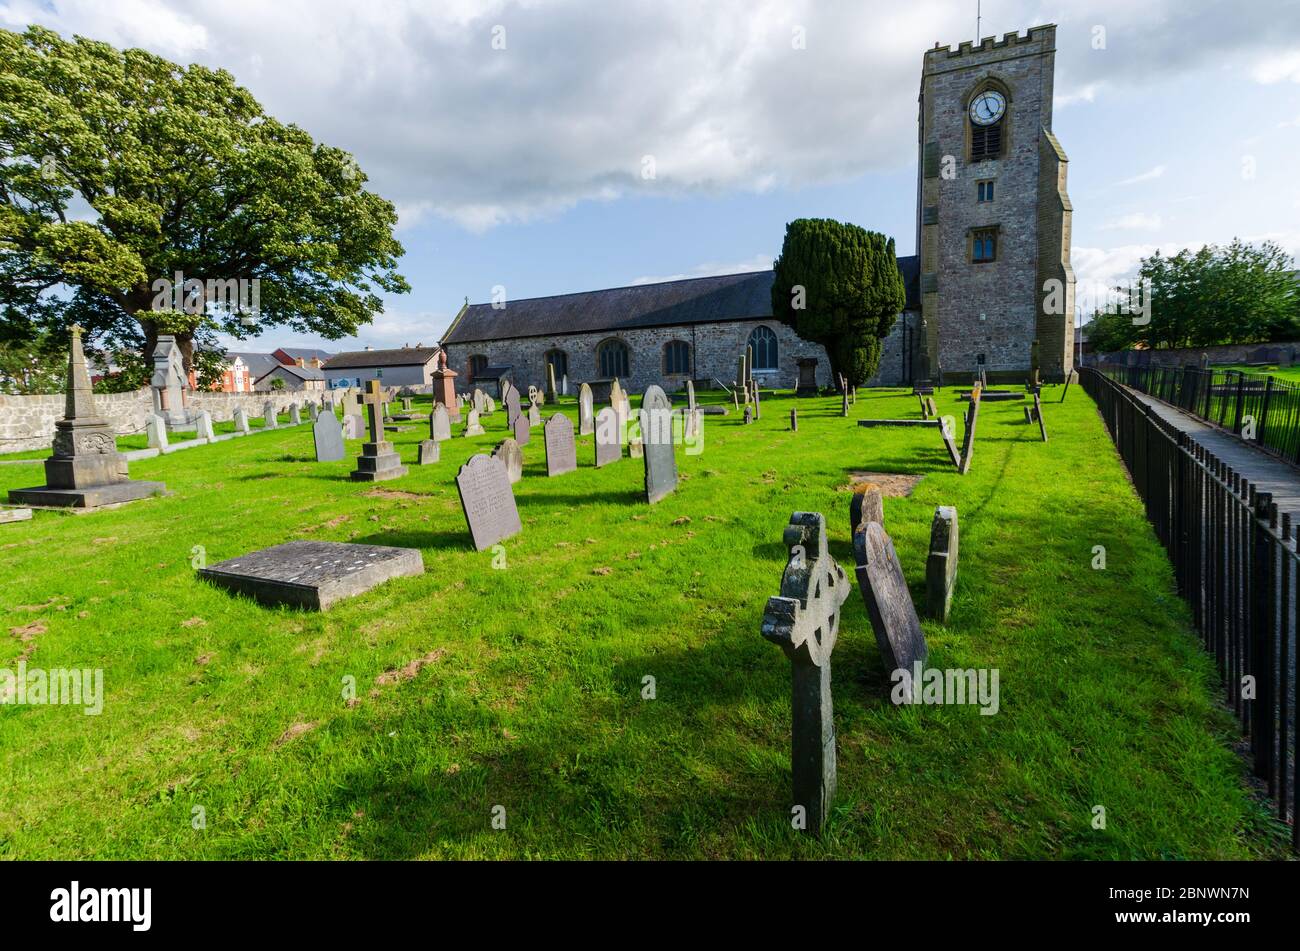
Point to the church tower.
(993, 216)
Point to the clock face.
(988, 107)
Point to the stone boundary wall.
(1289, 351)
(27, 422)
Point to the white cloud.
(758, 262)
(1279, 68)
(393, 328)
(1138, 221)
(1148, 176)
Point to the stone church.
(991, 277)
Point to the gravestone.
(561, 451)
(941, 563)
(491, 405)
(327, 436)
(377, 462)
(807, 385)
(487, 501)
(155, 428)
(844, 408)
(635, 444)
(439, 423)
(269, 420)
(609, 444)
(564, 384)
(804, 622)
(85, 470)
(429, 452)
(867, 505)
(1038, 414)
(444, 388)
(794, 420)
(240, 419)
(406, 404)
(694, 424)
(169, 382)
(889, 604)
(945, 431)
(749, 414)
(758, 404)
(480, 402)
(534, 415)
(586, 406)
(353, 427)
(295, 417)
(510, 456)
(1069, 378)
(534, 394)
(512, 406)
(968, 438)
(690, 395)
(929, 404)
(616, 395)
(472, 426)
(657, 434)
(15, 515)
(313, 575)
(521, 429)
(203, 426)
(312, 412)
(551, 395)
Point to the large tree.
(839, 285)
(119, 169)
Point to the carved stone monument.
(377, 462)
(169, 382)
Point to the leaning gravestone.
(327, 435)
(1038, 412)
(941, 563)
(353, 427)
(656, 421)
(609, 445)
(561, 451)
(269, 420)
(487, 501)
(945, 430)
(690, 395)
(521, 429)
(586, 422)
(512, 457)
(313, 575)
(439, 424)
(804, 622)
(472, 426)
(884, 589)
(867, 505)
(429, 452)
(240, 419)
(968, 439)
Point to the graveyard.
(597, 682)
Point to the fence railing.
(1237, 566)
(1260, 408)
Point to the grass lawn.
(1289, 373)
(522, 687)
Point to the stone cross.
(374, 403)
(804, 622)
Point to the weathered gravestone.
(85, 470)
(534, 414)
(512, 457)
(313, 575)
(429, 452)
(1069, 378)
(941, 563)
(512, 407)
(758, 404)
(586, 415)
(968, 439)
(693, 426)
(561, 450)
(327, 435)
(480, 402)
(377, 462)
(491, 405)
(15, 515)
(1038, 414)
(749, 414)
(155, 428)
(804, 622)
(269, 420)
(609, 443)
(551, 395)
(521, 429)
(794, 420)
(690, 395)
(295, 417)
(866, 505)
(472, 426)
(169, 382)
(439, 424)
(240, 419)
(312, 412)
(487, 501)
(884, 590)
(635, 444)
(354, 427)
(656, 424)
(807, 385)
(406, 404)
(945, 431)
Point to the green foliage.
(277, 384)
(852, 291)
(184, 173)
(1238, 293)
(27, 370)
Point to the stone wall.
(27, 422)
(1282, 353)
(717, 349)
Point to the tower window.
(986, 141)
(984, 245)
(984, 191)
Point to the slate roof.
(302, 373)
(259, 364)
(362, 359)
(305, 353)
(698, 300)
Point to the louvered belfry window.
(985, 141)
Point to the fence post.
(1263, 412)
(1241, 396)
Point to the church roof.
(698, 300)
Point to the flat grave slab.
(15, 515)
(993, 396)
(872, 423)
(91, 497)
(312, 575)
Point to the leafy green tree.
(120, 169)
(277, 384)
(26, 370)
(838, 285)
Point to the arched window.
(763, 342)
(677, 357)
(612, 357)
(477, 364)
(560, 360)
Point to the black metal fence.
(1259, 407)
(1236, 564)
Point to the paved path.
(1267, 473)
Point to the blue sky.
(522, 166)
